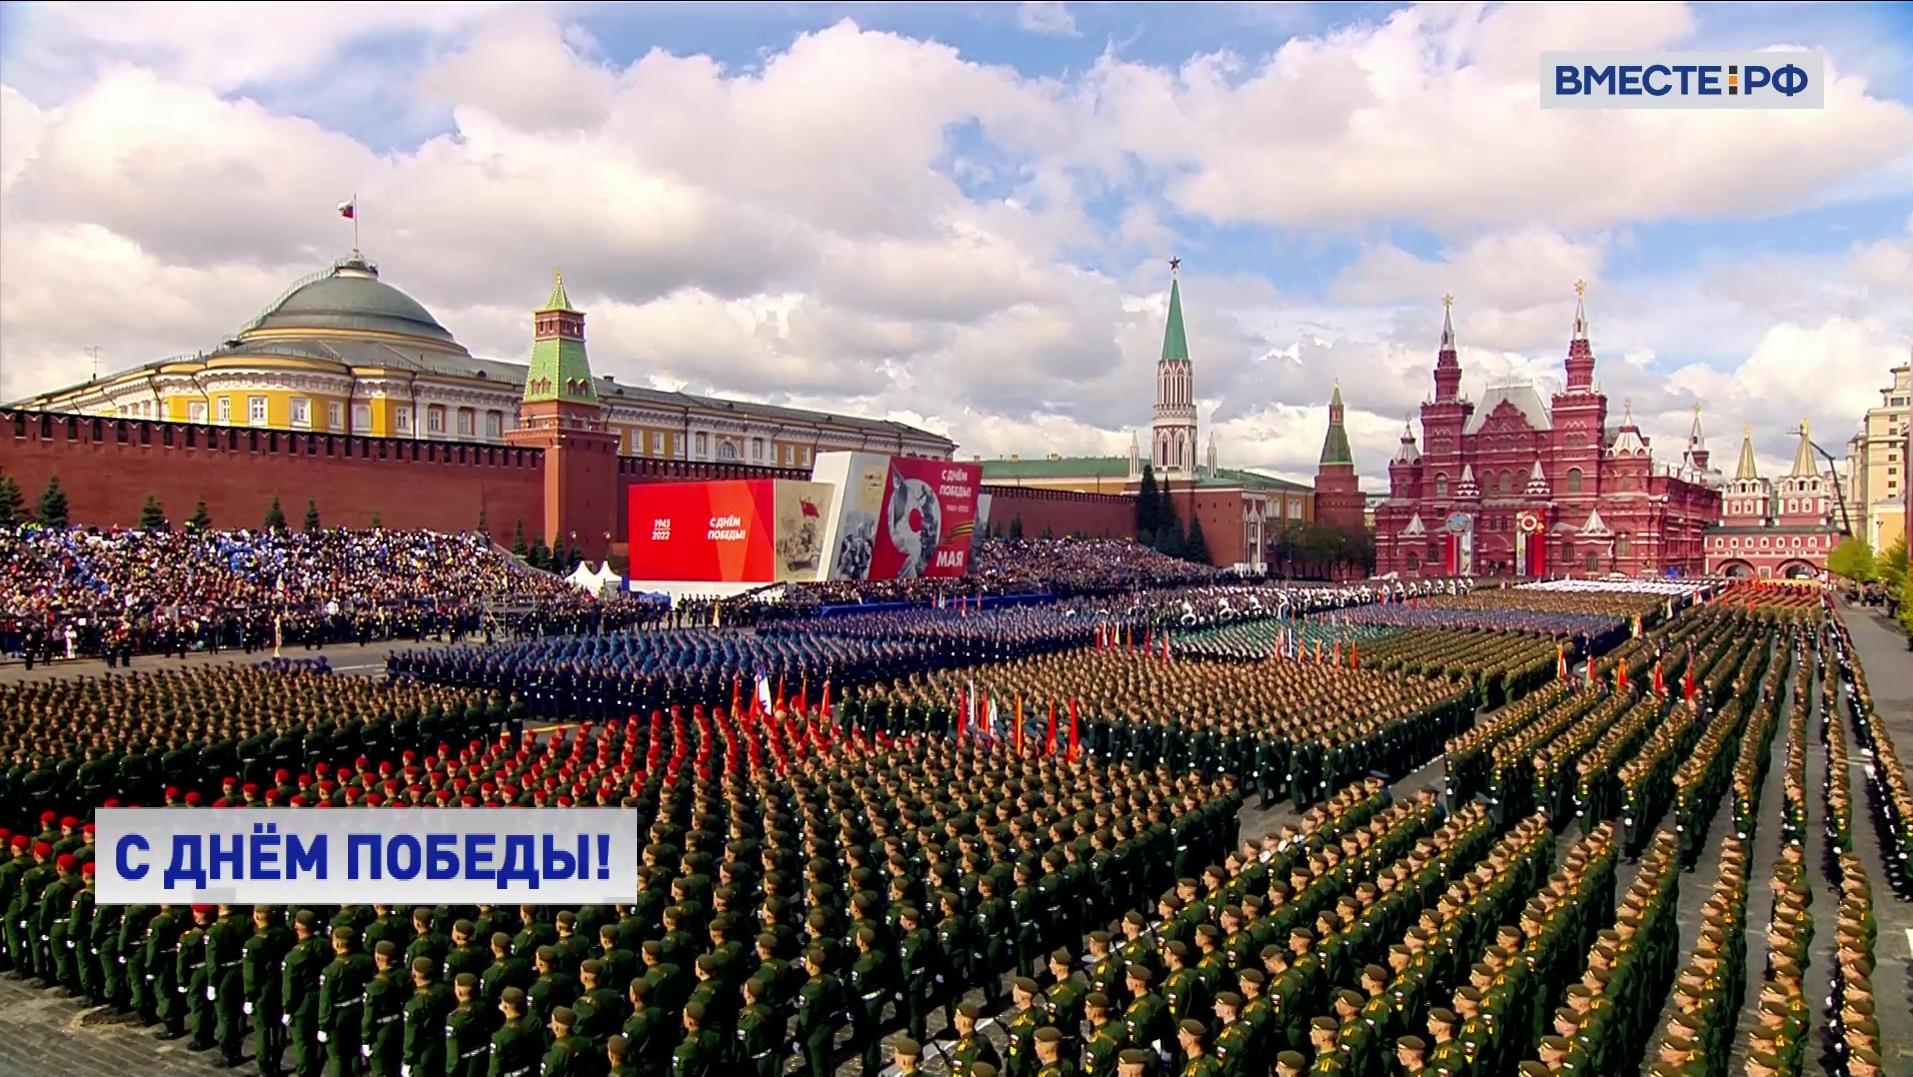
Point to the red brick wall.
(109, 466)
(1062, 512)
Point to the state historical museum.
(1520, 485)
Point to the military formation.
(902, 879)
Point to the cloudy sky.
(959, 216)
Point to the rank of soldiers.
(70, 745)
(1707, 991)
(1890, 798)
(1300, 727)
(1502, 666)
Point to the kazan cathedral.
(1517, 484)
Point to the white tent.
(608, 581)
(584, 579)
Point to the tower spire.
(1175, 342)
(1580, 361)
(1746, 471)
(1447, 363)
(1803, 466)
(1335, 448)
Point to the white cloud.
(1046, 18)
(865, 221)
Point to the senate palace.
(344, 352)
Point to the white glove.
(405, 1070)
(365, 1050)
(246, 1008)
(322, 1036)
(209, 994)
(285, 1019)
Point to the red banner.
(731, 531)
(927, 519)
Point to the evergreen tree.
(1148, 506)
(1197, 548)
(518, 540)
(1906, 609)
(1853, 559)
(151, 516)
(1016, 527)
(378, 520)
(1169, 540)
(53, 504)
(539, 557)
(482, 529)
(1047, 532)
(202, 520)
(312, 515)
(12, 505)
(275, 516)
(1166, 511)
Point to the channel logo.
(1710, 80)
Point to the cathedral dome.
(349, 296)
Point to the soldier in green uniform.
(869, 987)
(507, 969)
(70, 940)
(519, 1043)
(1192, 1035)
(907, 1053)
(617, 1058)
(262, 961)
(571, 1055)
(917, 963)
(299, 988)
(342, 1000)
(1105, 1036)
(599, 1009)
(108, 967)
(468, 1030)
(1063, 999)
(226, 941)
(1019, 1055)
(1146, 1018)
(1048, 1046)
(820, 1010)
(1290, 1064)
(701, 1054)
(381, 1031)
(971, 1049)
(554, 987)
(1233, 1037)
(645, 1029)
(1411, 1057)
(759, 1031)
(424, 1041)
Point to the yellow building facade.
(1877, 464)
(343, 352)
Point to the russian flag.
(764, 694)
(349, 208)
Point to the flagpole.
(355, 222)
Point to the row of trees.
(1885, 575)
(1158, 528)
(559, 558)
(51, 511)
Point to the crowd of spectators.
(87, 592)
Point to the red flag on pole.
(825, 707)
(1354, 655)
(779, 702)
(1018, 734)
(737, 696)
(1687, 679)
(1590, 671)
(1660, 680)
(1561, 660)
(1620, 675)
(963, 712)
(1073, 743)
(1049, 742)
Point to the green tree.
(1890, 566)
(1906, 609)
(539, 557)
(151, 516)
(13, 511)
(1016, 527)
(1197, 548)
(482, 529)
(1166, 513)
(312, 516)
(53, 504)
(1148, 506)
(1048, 532)
(202, 520)
(275, 516)
(1169, 539)
(1853, 558)
(378, 520)
(518, 540)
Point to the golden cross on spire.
(558, 276)
(1580, 287)
(1447, 301)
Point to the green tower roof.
(1335, 448)
(560, 369)
(1175, 343)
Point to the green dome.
(350, 296)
